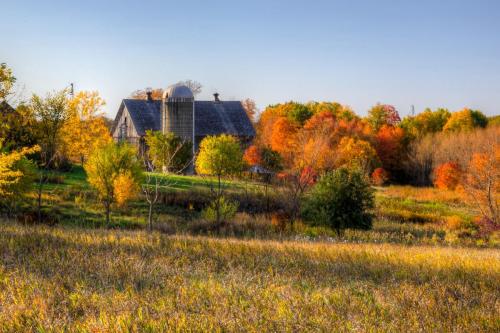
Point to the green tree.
(51, 113)
(426, 122)
(219, 156)
(297, 112)
(169, 151)
(109, 168)
(340, 199)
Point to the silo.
(177, 115)
(177, 112)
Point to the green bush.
(341, 199)
(227, 210)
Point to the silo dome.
(178, 91)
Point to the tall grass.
(62, 279)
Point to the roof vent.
(149, 94)
(216, 98)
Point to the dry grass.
(57, 279)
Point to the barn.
(180, 113)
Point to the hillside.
(61, 278)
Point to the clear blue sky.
(426, 53)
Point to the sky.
(400, 52)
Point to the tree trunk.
(218, 202)
(108, 212)
(39, 200)
(150, 217)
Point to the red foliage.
(392, 115)
(447, 176)
(308, 176)
(380, 176)
(390, 147)
(252, 156)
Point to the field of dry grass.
(70, 279)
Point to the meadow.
(72, 279)
(409, 273)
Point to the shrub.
(379, 176)
(341, 199)
(447, 176)
(220, 209)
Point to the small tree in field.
(153, 183)
(482, 183)
(114, 172)
(340, 199)
(219, 156)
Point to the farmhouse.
(180, 113)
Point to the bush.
(226, 209)
(379, 176)
(447, 176)
(341, 199)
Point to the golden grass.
(57, 279)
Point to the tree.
(250, 108)
(447, 176)
(108, 168)
(390, 149)
(356, 153)
(425, 123)
(7, 81)
(482, 183)
(85, 130)
(16, 173)
(165, 152)
(465, 120)
(51, 112)
(18, 127)
(340, 199)
(421, 159)
(383, 114)
(156, 93)
(219, 156)
(283, 137)
(252, 156)
(168, 151)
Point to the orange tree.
(482, 183)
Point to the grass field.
(60, 279)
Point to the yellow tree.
(357, 153)
(13, 172)
(115, 173)
(86, 128)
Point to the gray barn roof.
(211, 118)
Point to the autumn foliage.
(447, 176)
(379, 176)
(252, 156)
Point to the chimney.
(149, 94)
(216, 98)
